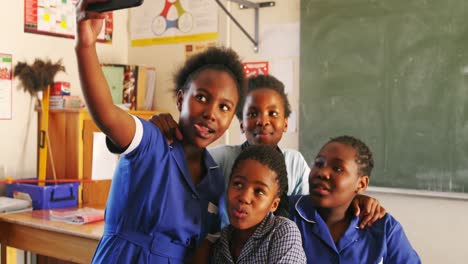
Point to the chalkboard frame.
(392, 41)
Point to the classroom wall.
(435, 226)
(18, 135)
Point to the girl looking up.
(163, 196)
(255, 234)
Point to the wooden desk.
(32, 231)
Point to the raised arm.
(113, 121)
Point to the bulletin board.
(57, 18)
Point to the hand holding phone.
(111, 5)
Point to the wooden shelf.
(71, 137)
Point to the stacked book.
(77, 216)
(132, 86)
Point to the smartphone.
(111, 5)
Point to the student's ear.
(180, 99)
(241, 127)
(285, 128)
(362, 184)
(275, 204)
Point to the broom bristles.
(38, 76)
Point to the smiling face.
(252, 194)
(334, 179)
(207, 106)
(263, 119)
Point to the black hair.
(217, 58)
(364, 157)
(272, 158)
(268, 82)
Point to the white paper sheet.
(104, 162)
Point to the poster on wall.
(5, 86)
(255, 68)
(57, 18)
(173, 21)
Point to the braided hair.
(364, 157)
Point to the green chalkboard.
(395, 74)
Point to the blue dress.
(155, 213)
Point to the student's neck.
(337, 220)
(194, 157)
(191, 151)
(238, 240)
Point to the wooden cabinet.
(71, 138)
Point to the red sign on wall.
(255, 68)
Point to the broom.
(36, 80)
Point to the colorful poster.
(173, 21)
(255, 68)
(5, 86)
(57, 18)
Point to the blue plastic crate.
(49, 196)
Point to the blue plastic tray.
(49, 196)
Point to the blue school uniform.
(155, 213)
(383, 242)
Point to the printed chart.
(173, 21)
(5, 86)
(57, 18)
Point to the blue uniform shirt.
(383, 242)
(155, 213)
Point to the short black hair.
(217, 58)
(273, 158)
(364, 155)
(268, 82)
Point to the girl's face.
(263, 117)
(207, 106)
(252, 194)
(334, 179)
